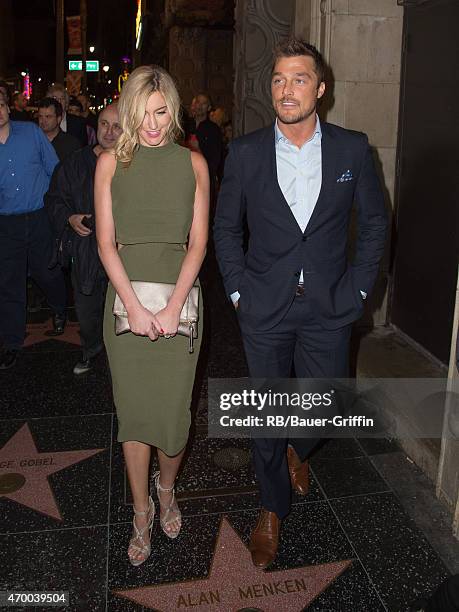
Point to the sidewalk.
(369, 536)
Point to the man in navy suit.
(295, 292)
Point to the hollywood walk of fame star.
(40, 332)
(21, 463)
(234, 583)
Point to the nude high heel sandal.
(172, 508)
(137, 543)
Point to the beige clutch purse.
(154, 297)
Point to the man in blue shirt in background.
(27, 161)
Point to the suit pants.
(90, 313)
(299, 342)
(26, 244)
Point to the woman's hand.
(144, 323)
(168, 319)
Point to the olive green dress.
(152, 381)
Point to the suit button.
(305, 238)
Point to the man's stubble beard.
(292, 119)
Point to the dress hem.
(166, 452)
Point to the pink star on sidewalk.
(20, 457)
(234, 583)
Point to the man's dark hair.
(47, 102)
(294, 47)
(4, 85)
(73, 101)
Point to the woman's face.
(153, 131)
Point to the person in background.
(70, 206)
(91, 118)
(218, 116)
(209, 137)
(70, 124)
(27, 161)
(227, 132)
(5, 90)
(76, 108)
(190, 140)
(18, 110)
(49, 119)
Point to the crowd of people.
(65, 238)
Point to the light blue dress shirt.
(299, 174)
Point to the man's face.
(200, 107)
(60, 97)
(74, 110)
(48, 120)
(294, 89)
(20, 102)
(83, 100)
(108, 127)
(4, 112)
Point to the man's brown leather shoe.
(299, 472)
(265, 539)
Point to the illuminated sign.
(75, 65)
(91, 65)
(138, 25)
(27, 87)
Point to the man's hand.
(75, 221)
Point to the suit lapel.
(274, 190)
(329, 158)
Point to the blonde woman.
(152, 201)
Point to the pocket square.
(346, 176)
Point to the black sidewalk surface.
(66, 512)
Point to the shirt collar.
(279, 137)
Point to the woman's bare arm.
(141, 320)
(197, 243)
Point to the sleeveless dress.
(152, 382)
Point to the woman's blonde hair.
(144, 81)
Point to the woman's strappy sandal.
(164, 521)
(142, 546)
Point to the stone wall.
(201, 59)
(362, 41)
(260, 24)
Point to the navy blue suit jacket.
(266, 275)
